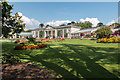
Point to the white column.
(38, 34)
(34, 34)
(52, 34)
(66, 30)
(44, 34)
(48, 33)
(55, 33)
(69, 32)
(63, 33)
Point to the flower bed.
(19, 41)
(62, 39)
(28, 46)
(48, 41)
(109, 40)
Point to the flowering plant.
(111, 40)
(92, 34)
(61, 35)
(82, 34)
(24, 46)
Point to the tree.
(100, 24)
(59, 33)
(62, 25)
(103, 32)
(88, 24)
(68, 23)
(41, 25)
(16, 24)
(47, 25)
(10, 23)
(41, 34)
(72, 22)
(84, 25)
(66, 35)
(6, 10)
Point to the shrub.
(111, 40)
(10, 58)
(66, 34)
(31, 39)
(103, 32)
(41, 34)
(88, 35)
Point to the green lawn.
(73, 58)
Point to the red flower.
(32, 47)
(44, 45)
(41, 46)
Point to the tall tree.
(6, 10)
(10, 23)
(41, 25)
(16, 24)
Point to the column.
(38, 34)
(48, 33)
(55, 33)
(63, 33)
(34, 34)
(70, 34)
(52, 34)
(44, 34)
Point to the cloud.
(94, 21)
(30, 23)
(110, 23)
(57, 23)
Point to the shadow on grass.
(95, 70)
(80, 62)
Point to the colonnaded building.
(71, 31)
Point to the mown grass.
(73, 58)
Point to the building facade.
(71, 30)
(52, 32)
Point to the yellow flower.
(105, 39)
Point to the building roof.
(116, 29)
(25, 34)
(87, 30)
(56, 27)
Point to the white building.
(52, 32)
(71, 30)
(77, 34)
(21, 35)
